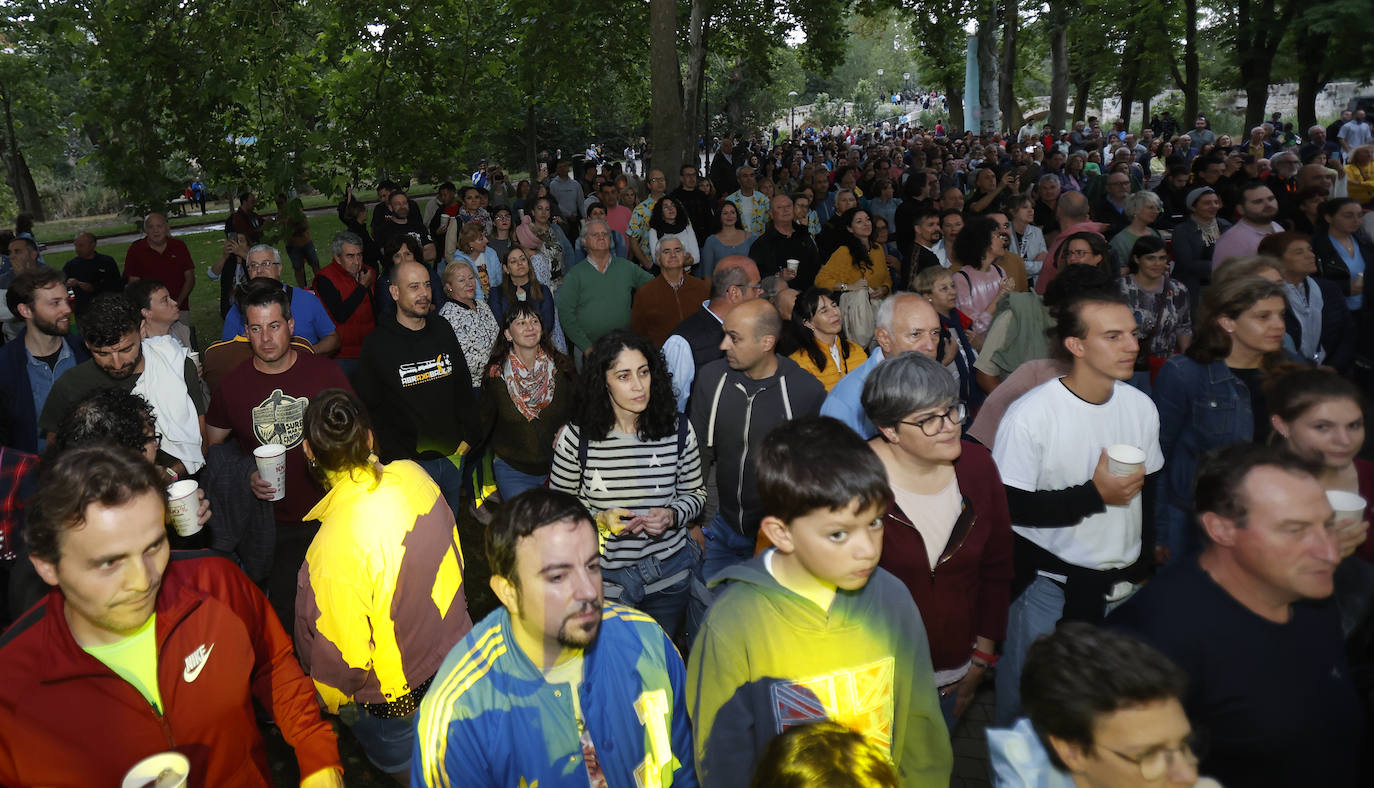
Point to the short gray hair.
(276, 257)
(722, 279)
(344, 237)
(740, 170)
(887, 311)
(587, 225)
(1138, 200)
(902, 385)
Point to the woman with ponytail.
(381, 597)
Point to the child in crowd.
(813, 629)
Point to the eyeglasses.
(1155, 763)
(931, 425)
(155, 438)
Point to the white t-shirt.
(1050, 439)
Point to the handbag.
(859, 316)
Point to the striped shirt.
(623, 471)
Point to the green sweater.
(591, 303)
(767, 659)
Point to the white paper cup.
(147, 771)
(1348, 506)
(1124, 459)
(272, 467)
(793, 264)
(184, 506)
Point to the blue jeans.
(510, 482)
(725, 547)
(1033, 613)
(679, 608)
(387, 741)
(947, 702)
(300, 255)
(449, 476)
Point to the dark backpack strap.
(683, 424)
(582, 450)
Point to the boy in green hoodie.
(813, 629)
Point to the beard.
(57, 328)
(572, 635)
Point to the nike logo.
(195, 662)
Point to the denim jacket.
(1201, 407)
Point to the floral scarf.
(530, 389)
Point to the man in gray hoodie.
(735, 402)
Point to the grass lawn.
(111, 224)
(206, 249)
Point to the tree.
(667, 93)
(17, 173)
(1189, 80)
(1059, 64)
(1327, 42)
(1006, 93)
(1256, 29)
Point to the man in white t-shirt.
(1080, 545)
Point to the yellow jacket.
(840, 268)
(380, 600)
(831, 374)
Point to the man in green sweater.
(597, 294)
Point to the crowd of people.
(790, 461)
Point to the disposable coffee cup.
(1124, 459)
(272, 467)
(793, 264)
(184, 505)
(1348, 506)
(164, 770)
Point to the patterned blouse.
(1162, 316)
(476, 329)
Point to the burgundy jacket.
(969, 591)
(68, 720)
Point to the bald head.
(760, 316)
(906, 322)
(1312, 176)
(732, 279)
(1073, 206)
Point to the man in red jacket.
(137, 651)
(345, 288)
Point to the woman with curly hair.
(669, 220)
(818, 334)
(526, 394)
(633, 461)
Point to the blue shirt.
(491, 718)
(41, 378)
(844, 402)
(1356, 263)
(312, 322)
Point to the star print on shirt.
(597, 484)
(655, 462)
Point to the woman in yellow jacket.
(1359, 174)
(380, 597)
(858, 262)
(822, 348)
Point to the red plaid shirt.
(18, 480)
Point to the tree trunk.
(1006, 94)
(1192, 73)
(1080, 99)
(987, 65)
(666, 85)
(1059, 67)
(1144, 110)
(698, 30)
(1312, 76)
(17, 173)
(1256, 96)
(1130, 74)
(954, 96)
(532, 144)
(1260, 27)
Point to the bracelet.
(988, 660)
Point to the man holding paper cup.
(137, 650)
(262, 405)
(1074, 454)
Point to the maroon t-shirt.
(261, 409)
(168, 266)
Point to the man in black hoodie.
(415, 383)
(736, 401)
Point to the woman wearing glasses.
(947, 532)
